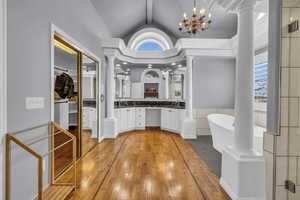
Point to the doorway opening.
(75, 88)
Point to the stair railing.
(11, 138)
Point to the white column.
(189, 130)
(111, 87)
(189, 86)
(243, 171)
(167, 95)
(110, 123)
(244, 93)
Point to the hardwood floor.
(145, 165)
(87, 141)
(63, 156)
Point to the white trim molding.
(3, 68)
(3, 89)
(184, 47)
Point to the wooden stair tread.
(57, 192)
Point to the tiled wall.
(200, 115)
(282, 152)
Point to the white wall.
(29, 61)
(213, 83)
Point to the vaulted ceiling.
(124, 17)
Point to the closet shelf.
(61, 101)
(73, 112)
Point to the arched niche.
(152, 78)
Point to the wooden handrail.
(11, 138)
(54, 125)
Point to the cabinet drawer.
(140, 116)
(140, 120)
(140, 124)
(140, 109)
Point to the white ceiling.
(125, 17)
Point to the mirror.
(66, 101)
(89, 88)
(156, 81)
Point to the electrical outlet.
(34, 103)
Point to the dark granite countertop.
(160, 104)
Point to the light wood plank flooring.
(145, 165)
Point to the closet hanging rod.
(30, 129)
(61, 69)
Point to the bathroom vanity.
(139, 114)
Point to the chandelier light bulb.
(184, 16)
(194, 11)
(202, 12)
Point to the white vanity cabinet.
(140, 118)
(171, 119)
(129, 119)
(125, 119)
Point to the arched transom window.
(149, 46)
(150, 39)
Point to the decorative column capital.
(189, 60)
(245, 5)
(110, 57)
(189, 57)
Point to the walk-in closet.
(76, 80)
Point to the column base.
(110, 128)
(243, 176)
(189, 130)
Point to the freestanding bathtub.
(222, 130)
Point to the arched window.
(150, 39)
(149, 46)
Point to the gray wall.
(213, 82)
(29, 61)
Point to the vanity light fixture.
(173, 64)
(125, 63)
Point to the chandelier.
(196, 23)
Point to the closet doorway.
(76, 104)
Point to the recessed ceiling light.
(179, 65)
(125, 63)
(118, 65)
(149, 67)
(173, 64)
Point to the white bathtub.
(222, 130)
